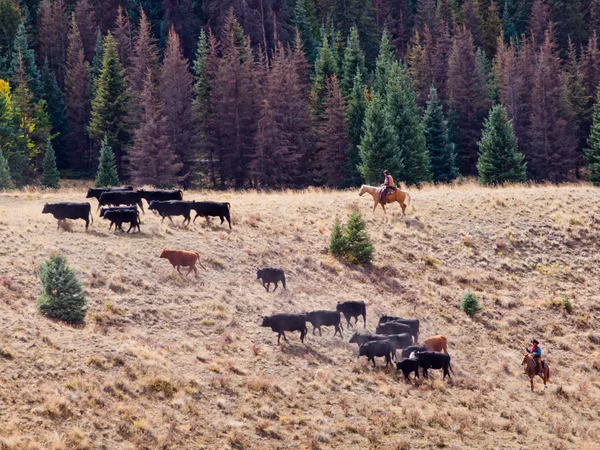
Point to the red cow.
(180, 258)
(436, 344)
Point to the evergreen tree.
(5, 180)
(337, 242)
(405, 118)
(492, 27)
(499, 158)
(27, 61)
(78, 98)
(12, 141)
(57, 111)
(441, 150)
(578, 98)
(107, 168)
(359, 249)
(420, 64)
(355, 116)
(539, 21)
(383, 65)
(53, 29)
(441, 56)
(62, 296)
(152, 159)
(10, 22)
(379, 143)
(85, 17)
(96, 66)
(122, 35)
(592, 153)
(177, 92)
(50, 175)
(109, 107)
(353, 62)
(325, 67)
(568, 22)
(332, 143)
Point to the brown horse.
(396, 196)
(530, 370)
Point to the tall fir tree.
(592, 152)
(441, 150)
(568, 23)
(177, 92)
(467, 96)
(13, 143)
(332, 143)
(353, 61)
(78, 98)
(325, 66)
(109, 106)
(57, 112)
(122, 35)
(441, 56)
(578, 98)
(492, 27)
(10, 21)
(152, 160)
(405, 117)
(420, 64)
(499, 159)
(50, 175)
(107, 168)
(6, 181)
(539, 21)
(383, 65)
(24, 55)
(379, 143)
(355, 117)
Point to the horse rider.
(389, 186)
(536, 353)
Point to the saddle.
(385, 198)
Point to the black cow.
(67, 210)
(97, 192)
(320, 319)
(116, 198)
(286, 322)
(212, 209)
(118, 217)
(413, 323)
(353, 309)
(161, 195)
(171, 208)
(270, 275)
(434, 360)
(397, 341)
(406, 352)
(407, 366)
(363, 338)
(393, 328)
(133, 208)
(376, 348)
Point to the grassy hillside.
(169, 362)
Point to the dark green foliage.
(57, 111)
(592, 153)
(107, 169)
(337, 242)
(97, 61)
(379, 144)
(355, 117)
(469, 304)
(5, 180)
(441, 151)
(351, 241)
(383, 65)
(50, 175)
(10, 21)
(62, 297)
(499, 158)
(353, 64)
(21, 46)
(405, 118)
(325, 67)
(109, 107)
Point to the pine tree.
(107, 168)
(441, 56)
(50, 175)
(152, 159)
(405, 118)
(109, 107)
(62, 296)
(568, 22)
(10, 21)
(13, 143)
(467, 90)
(383, 65)
(57, 111)
(353, 61)
(592, 153)
(177, 92)
(5, 180)
(499, 158)
(379, 143)
(492, 27)
(578, 98)
(441, 150)
(359, 249)
(332, 138)
(325, 67)
(78, 97)
(355, 117)
(27, 60)
(122, 35)
(96, 66)
(337, 242)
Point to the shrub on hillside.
(351, 241)
(470, 305)
(62, 297)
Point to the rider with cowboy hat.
(389, 186)
(536, 353)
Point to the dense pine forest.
(291, 93)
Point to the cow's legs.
(283, 334)
(222, 220)
(348, 317)
(373, 360)
(278, 337)
(171, 220)
(178, 267)
(266, 286)
(364, 320)
(320, 334)
(275, 287)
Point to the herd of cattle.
(120, 205)
(392, 334)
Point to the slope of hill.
(171, 362)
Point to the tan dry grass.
(172, 362)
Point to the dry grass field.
(165, 362)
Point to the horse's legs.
(531, 381)
(383, 207)
(403, 206)
(374, 207)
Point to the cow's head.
(89, 193)
(338, 307)
(354, 339)
(265, 321)
(259, 274)
(103, 211)
(47, 208)
(152, 205)
(163, 253)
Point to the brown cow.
(180, 258)
(436, 344)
